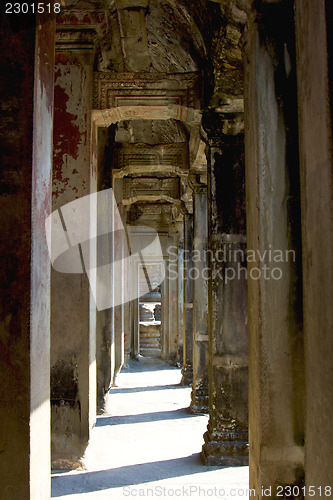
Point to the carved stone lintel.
(143, 155)
(131, 4)
(75, 40)
(129, 89)
(81, 18)
(135, 188)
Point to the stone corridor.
(148, 445)
(176, 153)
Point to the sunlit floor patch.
(148, 445)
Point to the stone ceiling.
(159, 66)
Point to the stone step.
(153, 342)
(149, 346)
(145, 335)
(150, 352)
(150, 328)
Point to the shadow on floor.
(148, 364)
(129, 390)
(145, 417)
(87, 482)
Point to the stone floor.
(148, 445)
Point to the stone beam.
(141, 156)
(106, 117)
(118, 90)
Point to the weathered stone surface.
(26, 110)
(105, 328)
(142, 159)
(227, 434)
(134, 39)
(226, 54)
(199, 396)
(172, 277)
(273, 221)
(180, 229)
(314, 67)
(72, 319)
(171, 53)
(187, 370)
(151, 132)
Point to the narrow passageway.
(148, 445)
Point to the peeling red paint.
(63, 59)
(67, 136)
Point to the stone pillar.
(127, 313)
(199, 396)
(226, 439)
(73, 369)
(172, 310)
(180, 294)
(118, 281)
(128, 309)
(135, 317)
(314, 73)
(27, 62)
(104, 358)
(187, 370)
(119, 352)
(165, 311)
(104, 318)
(276, 364)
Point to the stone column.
(187, 370)
(172, 308)
(127, 313)
(105, 317)
(199, 396)
(27, 62)
(226, 439)
(104, 358)
(276, 363)
(73, 368)
(119, 352)
(314, 74)
(165, 311)
(118, 281)
(135, 317)
(180, 293)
